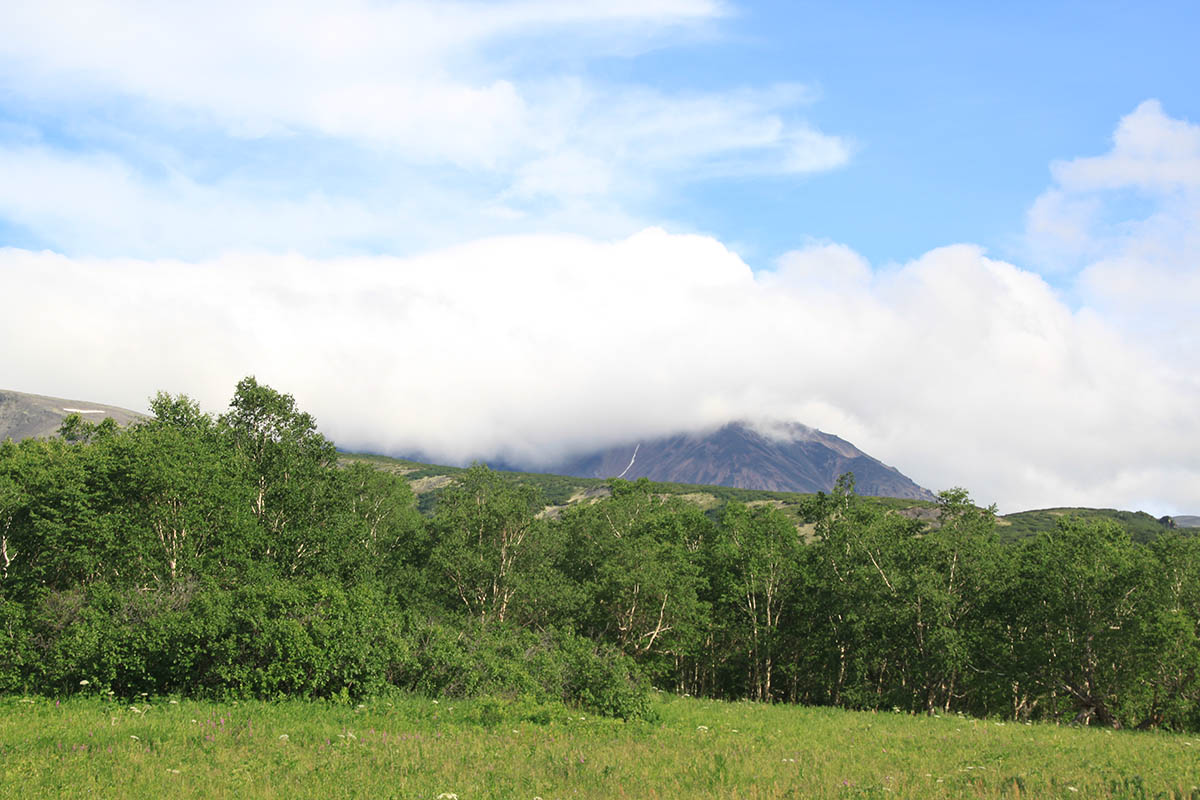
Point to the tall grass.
(412, 747)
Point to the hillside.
(1142, 527)
(783, 458)
(734, 463)
(23, 416)
(560, 491)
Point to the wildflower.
(173, 771)
(702, 728)
(83, 682)
(1072, 788)
(283, 737)
(447, 796)
(173, 702)
(135, 738)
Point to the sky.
(964, 237)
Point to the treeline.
(233, 556)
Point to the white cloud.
(489, 95)
(1150, 151)
(1128, 224)
(957, 368)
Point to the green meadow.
(405, 746)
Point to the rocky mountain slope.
(33, 415)
(781, 458)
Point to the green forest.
(232, 555)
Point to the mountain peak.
(771, 455)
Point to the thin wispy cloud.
(184, 101)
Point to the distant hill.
(428, 481)
(783, 458)
(560, 491)
(1142, 527)
(1187, 521)
(23, 416)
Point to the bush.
(302, 638)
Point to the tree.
(1082, 600)
(486, 530)
(382, 532)
(946, 587)
(634, 555)
(289, 464)
(181, 497)
(761, 548)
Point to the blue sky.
(956, 234)
(956, 110)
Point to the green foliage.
(488, 540)
(1025, 525)
(206, 556)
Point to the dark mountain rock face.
(787, 458)
(23, 416)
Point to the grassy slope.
(559, 490)
(562, 490)
(1141, 526)
(416, 748)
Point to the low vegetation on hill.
(561, 491)
(1141, 526)
(239, 556)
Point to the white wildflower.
(84, 682)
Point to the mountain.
(33, 415)
(1187, 521)
(782, 458)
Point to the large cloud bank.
(264, 147)
(960, 369)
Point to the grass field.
(408, 747)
